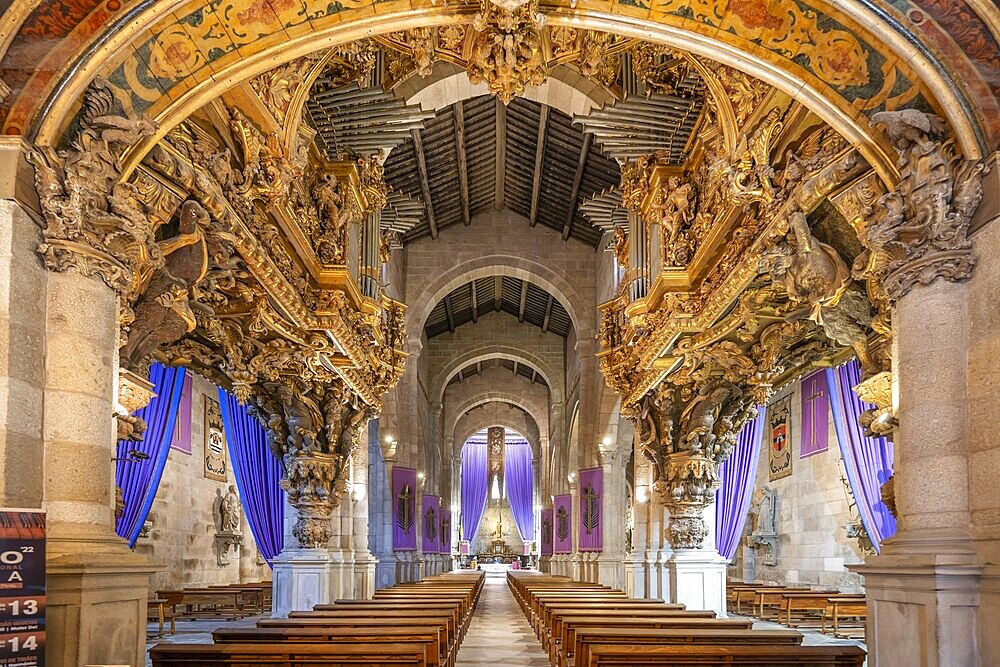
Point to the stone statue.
(763, 516)
(164, 312)
(229, 511)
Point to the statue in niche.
(815, 274)
(229, 511)
(763, 518)
(164, 312)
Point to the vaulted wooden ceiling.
(478, 154)
(515, 367)
(446, 167)
(525, 301)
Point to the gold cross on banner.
(404, 517)
(591, 514)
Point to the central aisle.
(499, 634)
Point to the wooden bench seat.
(207, 603)
(842, 607)
(731, 655)
(436, 654)
(564, 631)
(289, 654)
(587, 636)
(402, 617)
(804, 605)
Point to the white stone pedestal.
(635, 577)
(697, 579)
(610, 570)
(364, 576)
(307, 577)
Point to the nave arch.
(816, 85)
(497, 413)
(522, 356)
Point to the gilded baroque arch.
(176, 61)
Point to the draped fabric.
(139, 479)
(474, 487)
(404, 505)
(868, 461)
(258, 476)
(737, 474)
(519, 481)
(562, 517)
(591, 518)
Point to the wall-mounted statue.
(228, 512)
(763, 520)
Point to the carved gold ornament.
(507, 51)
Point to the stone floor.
(499, 634)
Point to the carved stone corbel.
(93, 222)
(922, 226)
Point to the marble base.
(922, 610)
(697, 579)
(307, 577)
(364, 577)
(611, 570)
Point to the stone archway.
(464, 359)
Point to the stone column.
(926, 582)
(380, 502)
(610, 568)
(575, 559)
(97, 588)
(364, 561)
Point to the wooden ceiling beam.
(515, 368)
(425, 186)
(524, 301)
(534, 375)
(548, 314)
(497, 292)
(463, 169)
(501, 153)
(536, 180)
(588, 139)
(448, 312)
(479, 368)
(475, 303)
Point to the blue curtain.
(519, 481)
(737, 474)
(139, 479)
(868, 461)
(474, 485)
(258, 476)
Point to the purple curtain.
(737, 474)
(404, 504)
(562, 519)
(474, 487)
(868, 461)
(546, 549)
(519, 482)
(591, 517)
(258, 476)
(139, 479)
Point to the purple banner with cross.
(444, 533)
(547, 533)
(815, 415)
(404, 505)
(430, 524)
(562, 524)
(591, 519)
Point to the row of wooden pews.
(419, 624)
(228, 601)
(833, 612)
(589, 625)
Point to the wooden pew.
(840, 607)
(430, 623)
(206, 602)
(435, 654)
(454, 609)
(588, 636)
(801, 603)
(402, 617)
(563, 647)
(769, 597)
(299, 655)
(731, 655)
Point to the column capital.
(921, 228)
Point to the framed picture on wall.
(216, 466)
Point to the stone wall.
(184, 526)
(812, 508)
